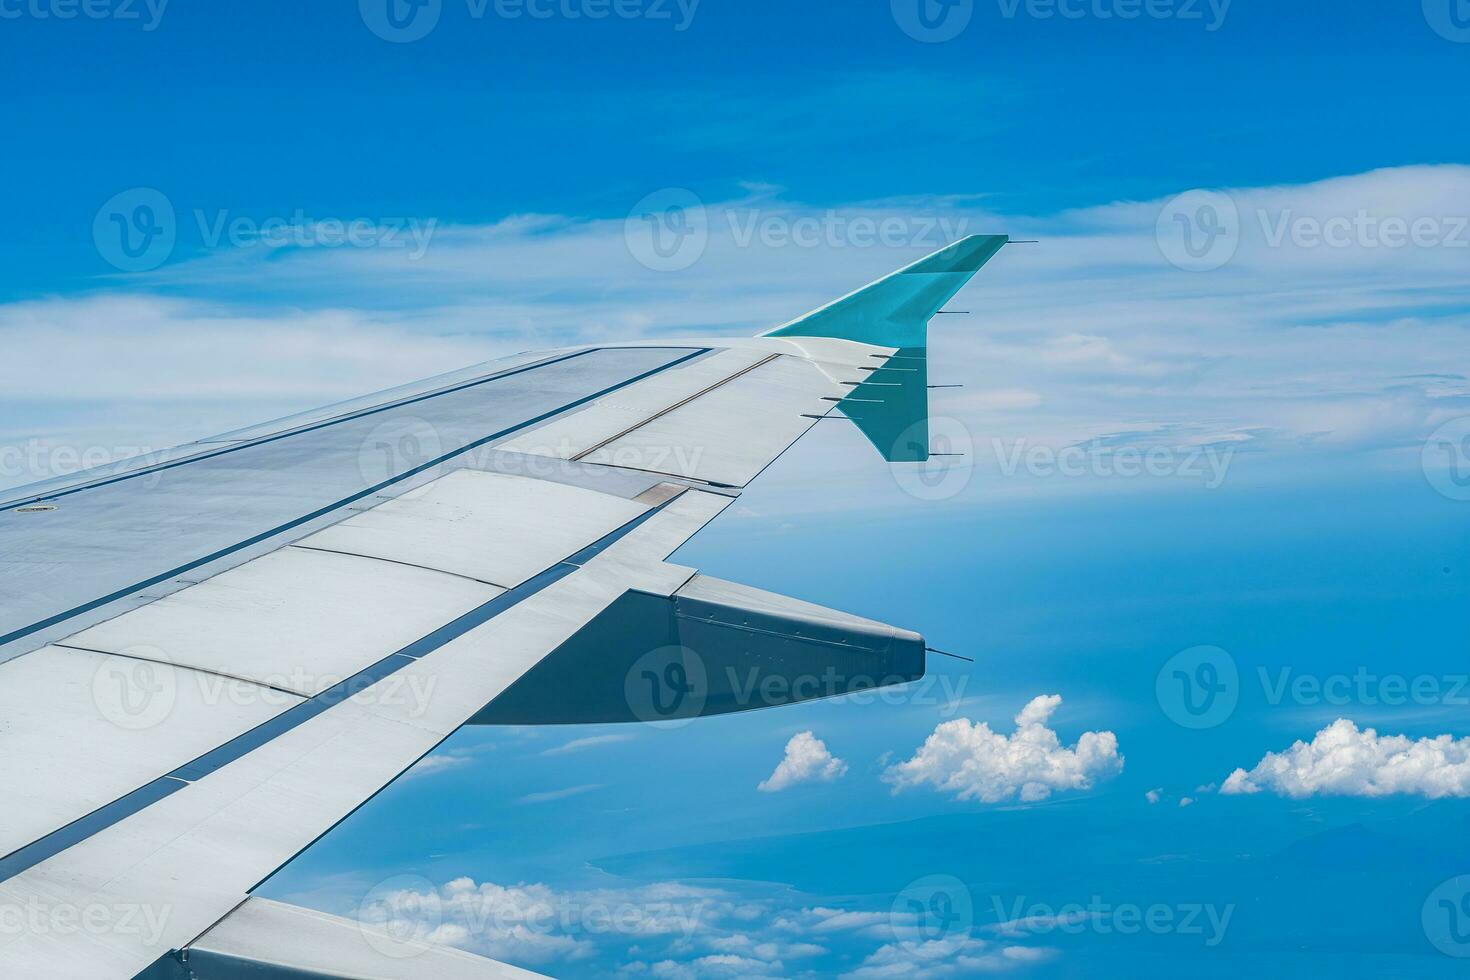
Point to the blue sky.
(1301, 524)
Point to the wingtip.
(966, 255)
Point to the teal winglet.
(890, 403)
(895, 310)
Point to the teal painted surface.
(891, 408)
(895, 311)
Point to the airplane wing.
(212, 656)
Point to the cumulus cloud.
(957, 957)
(807, 760)
(975, 763)
(1343, 760)
(675, 931)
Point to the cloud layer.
(975, 763)
(1299, 346)
(807, 760)
(675, 931)
(1343, 760)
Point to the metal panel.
(732, 433)
(69, 568)
(489, 526)
(80, 729)
(298, 620)
(196, 853)
(264, 939)
(613, 414)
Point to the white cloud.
(434, 764)
(1154, 795)
(678, 931)
(957, 957)
(591, 742)
(975, 763)
(1343, 760)
(1090, 338)
(559, 794)
(807, 760)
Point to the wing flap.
(491, 527)
(267, 940)
(296, 619)
(728, 435)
